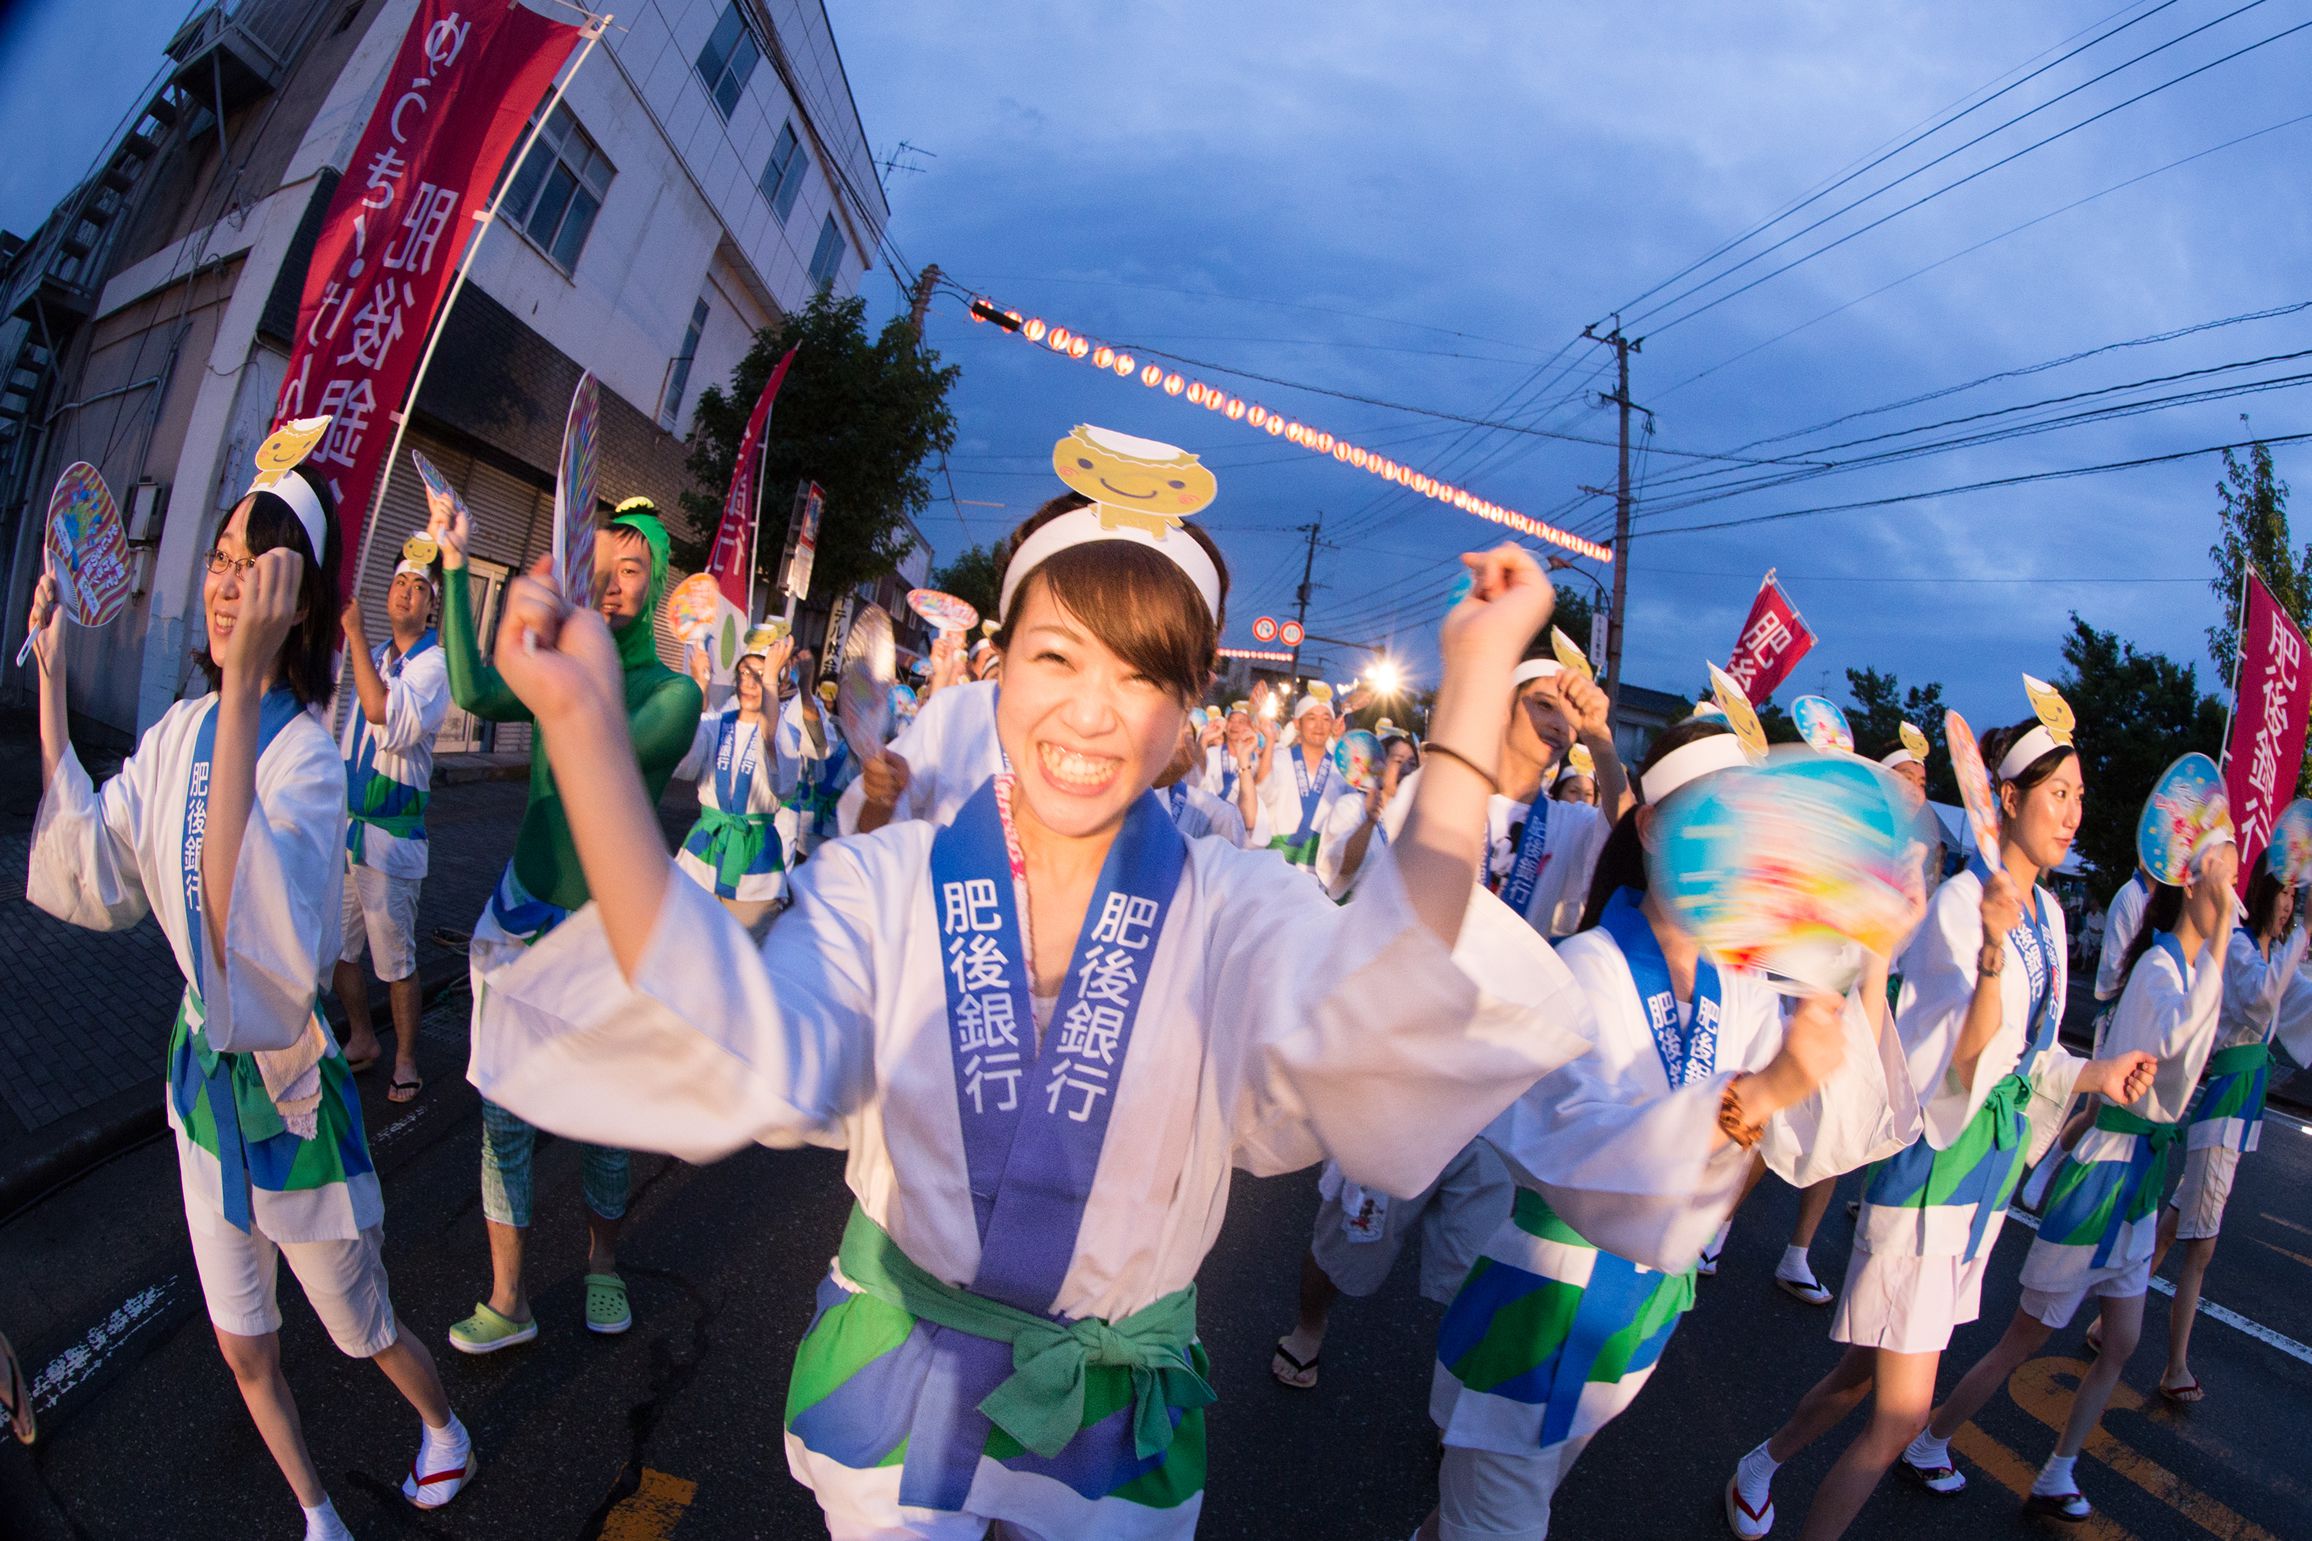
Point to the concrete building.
(706, 173)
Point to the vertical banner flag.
(733, 557)
(455, 103)
(1773, 640)
(802, 541)
(2268, 716)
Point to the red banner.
(733, 559)
(1773, 640)
(454, 105)
(2268, 715)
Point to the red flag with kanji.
(2269, 708)
(455, 103)
(1773, 640)
(733, 558)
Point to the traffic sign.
(1264, 629)
(1290, 633)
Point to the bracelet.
(1449, 753)
(1732, 1123)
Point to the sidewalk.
(84, 1027)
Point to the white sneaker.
(1744, 1521)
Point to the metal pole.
(2239, 653)
(1623, 348)
(1301, 615)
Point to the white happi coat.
(1577, 833)
(1277, 1028)
(105, 858)
(2267, 999)
(1637, 1167)
(1204, 814)
(417, 699)
(951, 750)
(1279, 795)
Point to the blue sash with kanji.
(1034, 1116)
(1525, 870)
(1690, 1054)
(734, 773)
(279, 708)
(374, 800)
(1312, 796)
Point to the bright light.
(1386, 679)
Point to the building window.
(827, 261)
(728, 59)
(559, 189)
(678, 372)
(783, 173)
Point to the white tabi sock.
(1755, 1474)
(450, 1445)
(1928, 1452)
(2055, 1479)
(1795, 1267)
(322, 1523)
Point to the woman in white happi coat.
(2267, 1014)
(227, 827)
(899, 1009)
(746, 765)
(1625, 1160)
(1983, 991)
(2095, 1240)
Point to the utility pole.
(1308, 568)
(1623, 347)
(925, 282)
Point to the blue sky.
(1424, 205)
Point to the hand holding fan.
(2185, 817)
(574, 496)
(1974, 787)
(87, 549)
(1788, 867)
(863, 708)
(1358, 757)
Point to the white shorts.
(344, 1280)
(1485, 1495)
(1456, 1215)
(2056, 1308)
(381, 919)
(1907, 1304)
(2206, 1188)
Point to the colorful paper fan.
(863, 684)
(2290, 850)
(87, 547)
(1358, 758)
(904, 703)
(1822, 724)
(2185, 817)
(574, 495)
(692, 608)
(945, 612)
(1789, 867)
(1974, 787)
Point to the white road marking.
(399, 1126)
(2224, 1314)
(93, 1351)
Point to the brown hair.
(1141, 605)
(308, 653)
(1998, 741)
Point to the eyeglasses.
(239, 566)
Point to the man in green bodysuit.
(544, 883)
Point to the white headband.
(1305, 703)
(1898, 758)
(415, 570)
(1535, 669)
(1567, 769)
(1082, 526)
(2027, 749)
(292, 488)
(1706, 755)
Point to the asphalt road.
(674, 1429)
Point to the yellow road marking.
(2283, 1251)
(652, 1510)
(2038, 1391)
(2015, 1474)
(2289, 1224)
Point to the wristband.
(1490, 780)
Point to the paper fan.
(1822, 724)
(1974, 787)
(693, 606)
(1793, 868)
(1741, 716)
(2290, 852)
(1358, 758)
(1569, 655)
(2185, 817)
(945, 612)
(863, 683)
(87, 547)
(574, 495)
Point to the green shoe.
(486, 1331)
(606, 1307)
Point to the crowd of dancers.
(1076, 945)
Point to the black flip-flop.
(2058, 1506)
(1302, 1366)
(415, 1088)
(16, 1406)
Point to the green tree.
(2137, 712)
(971, 577)
(1877, 707)
(2252, 531)
(859, 415)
